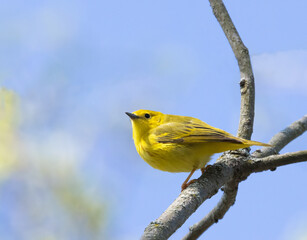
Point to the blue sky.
(77, 66)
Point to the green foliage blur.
(42, 196)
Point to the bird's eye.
(147, 115)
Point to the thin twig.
(281, 139)
(217, 213)
(274, 161)
(241, 53)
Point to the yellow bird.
(180, 144)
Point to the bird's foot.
(185, 185)
(204, 169)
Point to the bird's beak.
(132, 116)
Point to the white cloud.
(283, 70)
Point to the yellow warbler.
(180, 144)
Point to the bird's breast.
(170, 157)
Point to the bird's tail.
(255, 143)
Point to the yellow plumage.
(180, 144)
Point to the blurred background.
(70, 69)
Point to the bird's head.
(143, 121)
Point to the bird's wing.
(191, 132)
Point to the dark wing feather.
(191, 132)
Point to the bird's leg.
(204, 169)
(186, 182)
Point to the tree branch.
(231, 168)
(231, 188)
(274, 161)
(245, 129)
(241, 53)
(281, 139)
(228, 199)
